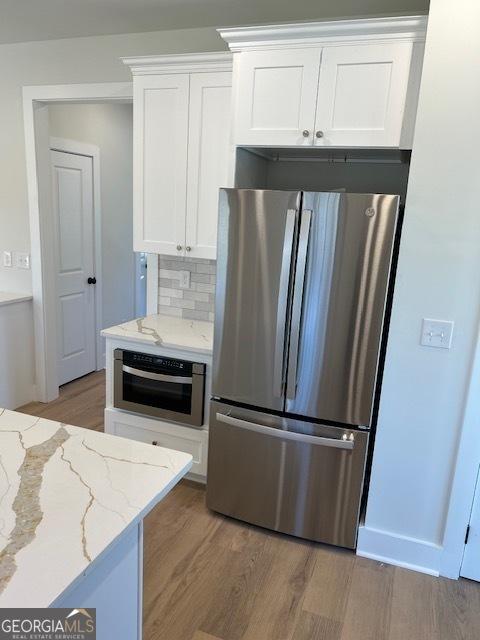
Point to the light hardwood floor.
(211, 578)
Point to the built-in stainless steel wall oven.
(160, 387)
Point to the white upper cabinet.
(160, 162)
(276, 96)
(208, 158)
(182, 116)
(362, 95)
(348, 83)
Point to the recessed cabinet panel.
(160, 148)
(276, 96)
(362, 94)
(208, 158)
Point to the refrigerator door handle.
(279, 357)
(297, 302)
(347, 443)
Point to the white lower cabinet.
(162, 434)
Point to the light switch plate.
(437, 333)
(22, 260)
(7, 258)
(184, 280)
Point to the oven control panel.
(158, 363)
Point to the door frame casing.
(464, 476)
(65, 145)
(37, 153)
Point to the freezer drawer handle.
(279, 363)
(156, 376)
(345, 443)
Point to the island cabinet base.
(113, 585)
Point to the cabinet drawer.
(163, 434)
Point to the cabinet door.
(160, 162)
(208, 158)
(361, 95)
(276, 96)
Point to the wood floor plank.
(367, 614)
(80, 403)
(414, 601)
(278, 605)
(208, 577)
(457, 610)
(200, 635)
(312, 627)
(178, 601)
(329, 587)
(236, 593)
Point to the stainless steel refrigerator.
(302, 282)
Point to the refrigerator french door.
(302, 282)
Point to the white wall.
(109, 126)
(62, 62)
(424, 389)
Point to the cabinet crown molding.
(330, 32)
(179, 63)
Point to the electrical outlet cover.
(22, 260)
(437, 333)
(184, 279)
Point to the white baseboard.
(401, 551)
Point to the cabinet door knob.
(179, 247)
(155, 443)
(319, 134)
(305, 133)
(188, 248)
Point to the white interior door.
(73, 211)
(208, 159)
(362, 94)
(471, 557)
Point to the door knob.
(188, 248)
(319, 134)
(92, 280)
(179, 247)
(305, 133)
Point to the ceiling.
(26, 20)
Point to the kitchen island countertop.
(67, 495)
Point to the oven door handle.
(156, 376)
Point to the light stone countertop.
(66, 494)
(9, 298)
(166, 331)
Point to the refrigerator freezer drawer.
(287, 475)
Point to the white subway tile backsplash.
(197, 295)
(195, 315)
(169, 273)
(201, 277)
(182, 303)
(206, 288)
(169, 311)
(195, 303)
